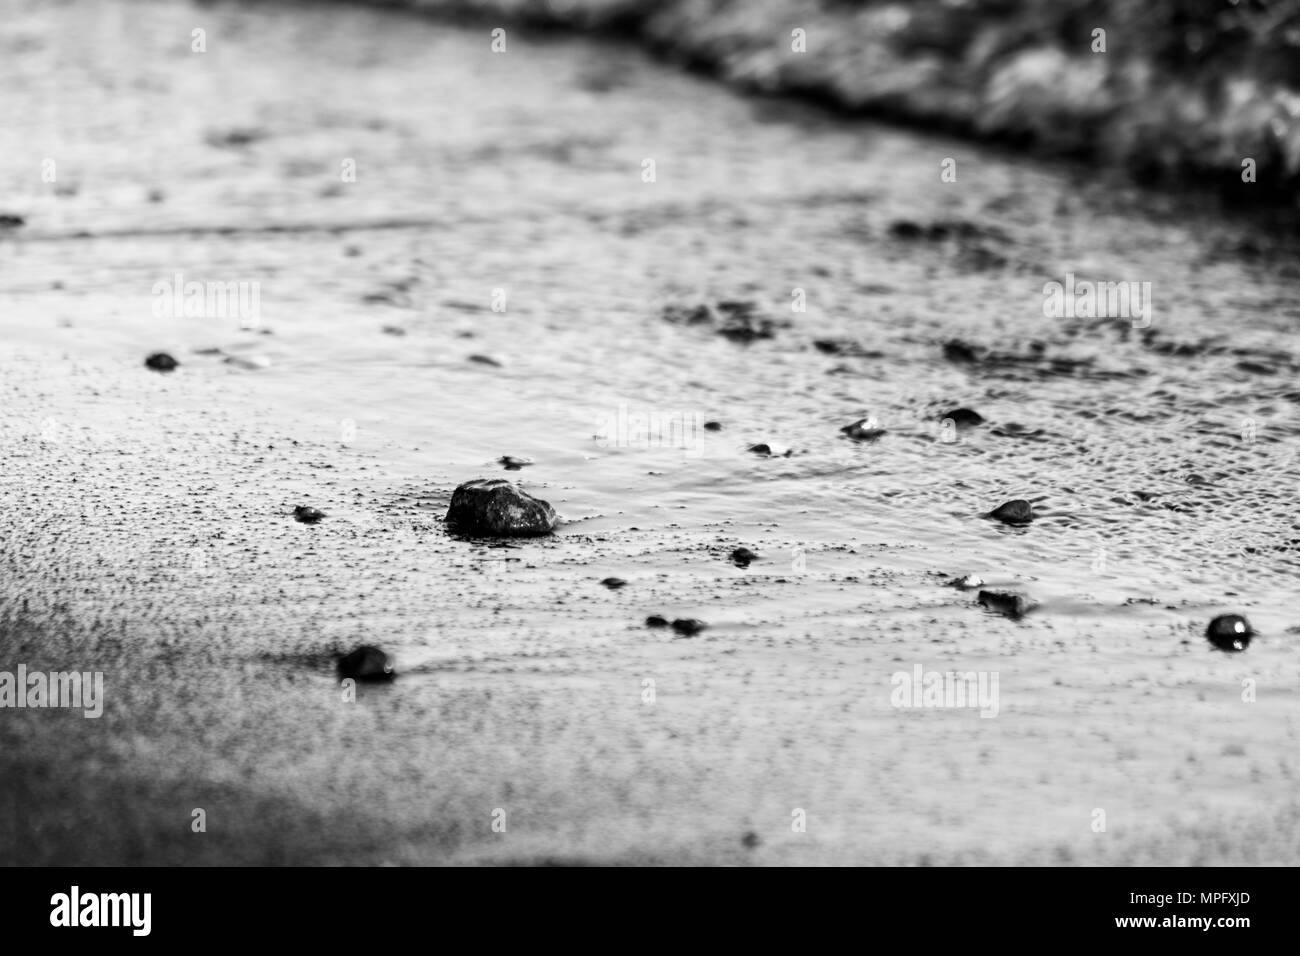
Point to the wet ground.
(147, 517)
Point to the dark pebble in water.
(1230, 632)
(1011, 603)
(613, 583)
(713, 426)
(161, 362)
(955, 350)
(864, 429)
(485, 360)
(654, 620)
(492, 506)
(1018, 512)
(511, 463)
(366, 663)
(741, 557)
(750, 840)
(688, 626)
(906, 229)
(760, 449)
(10, 221)
(307, 515)
(963, 416)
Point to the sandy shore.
(148, 529)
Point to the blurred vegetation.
(1185, 89)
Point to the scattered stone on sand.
(352, 251)
(967, 583)
(393, 330)
(249, 363)
(1012, 604)
(688, 626)
(655, 620)
(307, 515)
(511, 463)
(10, 221)
(367, 663)
(485, 360)
(760, 449)
(1230, 632)
(750, 840)
(713, 426)
(1016, 430)
(864, 429)
(155, 195)
(1018, 512)
(955, 350)
(495, 507)
(739, 321)
(161, 362)
(963, 417)
(236, 138)
(742, 557)
(613, 583)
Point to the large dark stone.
(366, 663)
(1012, 604)
(1018, 512)
(161, 362)
(1230, 632)
(493, 507)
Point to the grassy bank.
(1176, 90)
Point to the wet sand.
(148, 527)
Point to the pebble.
(493, 506)
(511, 463)
(968, 583)
(864, 429)
(307, 515)
(688, 626)
(741, 557)
(1017, 512)
(760, 449)
(485, 360)
(713, 426)
(963, 416)
(161, 362)
(1230, 632)
(1011, 603)
(613, 583)
(367, 663)
(10, 221)
(654, 620)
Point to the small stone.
(495, 507)
(511, 463)
(393, 330)
(962, 416)
(741, 557)
(654, 620)
(366, 663)
(613, 583)
(760, 449)
(713, 426)
(750, 840)
(1013, 604)
(485, 360)
(1230, 632)
(688, 626)
(1018, 512)
(10, 221)
(307, 515)
(161, 362)
(968, 583)
(864, 429)
(955, 350)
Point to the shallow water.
(152, 510)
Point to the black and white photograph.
(613, 433)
